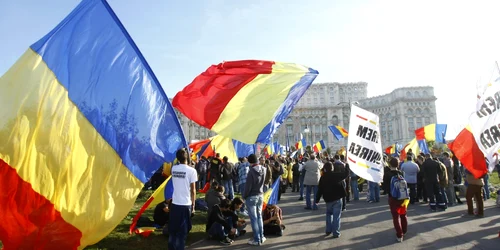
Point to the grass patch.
(121, 239)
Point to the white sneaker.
(399, 239)
(252, 242)
(263, 239)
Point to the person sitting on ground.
(217, 226)
(214, 196)
(232, 217)
(273, 220)
(162, 212)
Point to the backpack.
(443, 176)
(201, 167)
(399, 187)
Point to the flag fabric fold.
(84, 125)
(245, 100)
(164, 192)
(338, 131)
(465, 148)
(431, 132)
(271, 194)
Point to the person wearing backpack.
(398, 198)
(227, 177)
(201, 168)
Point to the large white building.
(324, 104)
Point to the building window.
(408, 94)
(419, 122)
(335, 120)
(411, 125)
(427, 120)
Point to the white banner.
(485, 123)
(364, 149)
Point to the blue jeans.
(179, 226)
(217, 231)
(308, 195)
(333, 212)
(242, 188)
(228, 188)
(374, 191)
(354, 189)
(486, 188)
(301, 186)
(254, 206)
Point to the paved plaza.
(369, 226)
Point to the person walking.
(332, 190)
(398, 209)
(184, 180)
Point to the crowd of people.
(236, 192)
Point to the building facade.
(324, 104)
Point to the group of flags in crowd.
(84, 117)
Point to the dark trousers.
(413, 192)
(273, 230)
(400, 221)
(348, 188)
(344, 199)
(295, 184)
(179, 226)
(421, 192)
(475, 191)
(435, 196)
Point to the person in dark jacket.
(398, 213)
(253, 195)
(432, 170)
(332, 189)
(296, 175)
(161, 213)
(217, 226)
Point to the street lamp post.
(307, 131)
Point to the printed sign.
(364, 148)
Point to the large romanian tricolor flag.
(84, 123)
(245, 100)
(465, 148)
(338, 131)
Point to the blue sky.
(450, 45)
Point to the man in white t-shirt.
(184, 180)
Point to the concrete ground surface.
(369, 226)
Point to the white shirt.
(182, 177)
(410, 170)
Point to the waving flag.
(392, 150)
(198, 148)
(231, 148)
(301, 144)
(339, 132)
(245, 100)
(84, 124)
(271, 194)
(431, 132)
(319, 146)
(465, 148)
(162, 193)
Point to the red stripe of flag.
(353, 161)
(35, 221)
(213, 89)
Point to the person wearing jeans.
(332, 190)
(311, 180)
(253, 195)
(374, 191)
(354, 188)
